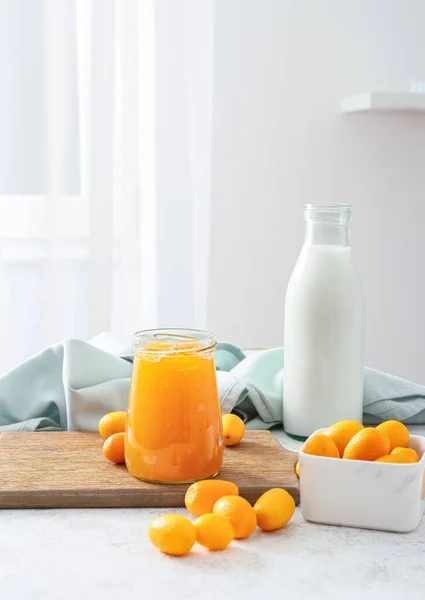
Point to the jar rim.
(173, 340)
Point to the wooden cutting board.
(68, 470)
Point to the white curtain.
(105, 161)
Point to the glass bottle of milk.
(323, 344)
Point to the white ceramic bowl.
(357, 493)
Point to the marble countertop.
(105, 554)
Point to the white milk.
(323, 348)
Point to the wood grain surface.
(68, 470)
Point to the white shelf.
(384, 101)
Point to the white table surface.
(105, 554)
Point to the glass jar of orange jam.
(174, 428)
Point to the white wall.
(281, 67)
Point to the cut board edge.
(83, 500)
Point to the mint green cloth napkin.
(71, 385)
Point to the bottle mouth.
(329, 214)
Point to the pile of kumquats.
(222, 515)
(387, 442)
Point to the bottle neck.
(321, 234)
